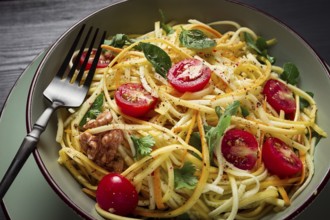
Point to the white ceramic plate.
(139, 18)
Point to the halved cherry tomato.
(240, 148)
(116, 194)
(189, 75)
(105, 59)
(279, 159)
(280, 97)
(134, 100)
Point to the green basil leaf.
(94, 110)
(157, 57)
(196, 39)
(290, 73)
(214, 135)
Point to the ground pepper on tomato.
(189, 75)
(133, 100)
(280, 97)
(280, 159)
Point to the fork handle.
(28, 145)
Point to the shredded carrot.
(157, 189)
(279, 182)
(303, 172)
(284, 195)
(208, 29)
(114, 49)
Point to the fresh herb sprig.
(214, 134)
(196, 39)
(143, 145)
(159, 59)
(119, 41)
(94, 110)
(290, 73)
(184, 177)
(260, 46)
(167, 28)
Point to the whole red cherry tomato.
(240, 148)
(134, 100)
(116, 194)
(279, 159)
(105, 59)
(280, 97)
(189, 75)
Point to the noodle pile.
(220, 190)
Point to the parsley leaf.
(143, 145)
(119, 41)
(159, 59)
(167, 28)
(184, 177)
(214, 135)
(196, 39)
(94, 110)
(290, 73)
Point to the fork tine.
(67, 59)
(83, 66)
(92, 69)
(82, 48)
(91, 72)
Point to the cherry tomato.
(134, 100)
(279, 159)
(240, 148)
(189, 75)
(116, 194)
(105, 59)
(280, 97)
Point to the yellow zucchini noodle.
(221, 191)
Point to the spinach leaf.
(167, 28)
(94, 110)
(119, 41)
(184, 177)
(290, 73)
(196, 39)
(143, 145)
(214, 135)
(157, 57)
(260, 46)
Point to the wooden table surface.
(28, 27)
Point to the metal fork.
(65, 90)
